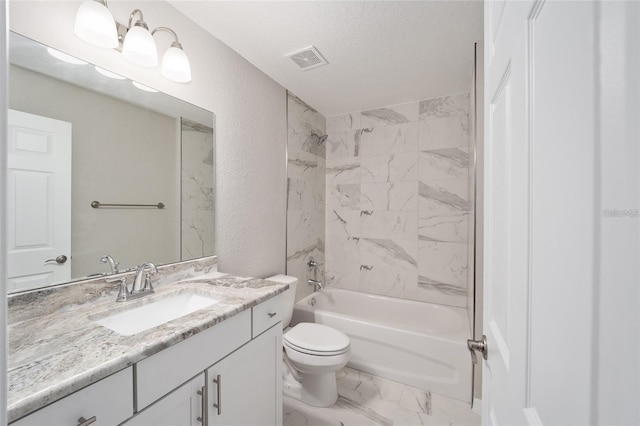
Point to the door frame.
(4, 107)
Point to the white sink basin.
(153, 314)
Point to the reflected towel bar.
(98, 204)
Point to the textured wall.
(305, 192)
(397, 200)
(250, 121)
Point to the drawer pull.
(218, 382)
(203, 406)
(271, 314)
(86, 422)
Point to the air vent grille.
(307, 58)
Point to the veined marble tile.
(304, 195)
(444, 262)
(443, 226)
(444, 195)
(363, 392)
(342, 259)
(448, 163)
(303, 230)
(343, 170)
(341, 123)
(446, 106)
(389, 196)
(386, 140)
(388, 267)
(297, 267)
(301, 139)
(343, 223)
(380, 224)
(444, 132)
(396, 114)
(399, 167)
(418, 407)
(338, 145)
(343, 196)
(303, 165)
(197, 184)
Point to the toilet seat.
(316, 339)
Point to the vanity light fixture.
(64, 57)
(95, 24)
(135, 42)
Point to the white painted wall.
(3, 219)
(250, 119)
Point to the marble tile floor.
(367, 400)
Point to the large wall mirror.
(97, 167)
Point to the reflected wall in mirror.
(123, 146)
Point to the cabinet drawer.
(161, 373)
(110, 400)
(267, 314)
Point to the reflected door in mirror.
(39, 201)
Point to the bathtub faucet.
(317, 285)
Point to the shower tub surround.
(55, 349)
(305, 192)
(398, 211)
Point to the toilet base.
(317, 390)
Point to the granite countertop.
(55, 349)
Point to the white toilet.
(312, 355)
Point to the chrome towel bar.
(98, 204)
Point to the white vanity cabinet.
(245, 388)
(107, 402)
(184, 406)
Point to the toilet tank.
(289, 297)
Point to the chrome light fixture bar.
(95, 25)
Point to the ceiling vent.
(307, 58)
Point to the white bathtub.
(415, 343)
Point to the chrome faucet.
(316, 284)
(112, 263)
(146, 269)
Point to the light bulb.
(95, 25)
(139, 46)
(175, 64)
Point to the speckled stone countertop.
(55, 349)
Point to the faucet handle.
(147, 282)
(124, 290)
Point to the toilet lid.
(316, 338)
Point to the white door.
(38, 201)
(546, 274)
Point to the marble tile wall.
(398, 207)
(198, 222)
(305, 192)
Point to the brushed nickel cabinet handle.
(271, 314)
(218, 405)
(204, 419)
(86, 422)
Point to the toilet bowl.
(312, 355)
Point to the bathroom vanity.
(220, 364)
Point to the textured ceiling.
(379, 53)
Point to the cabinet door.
(182, 407)
(245, 388)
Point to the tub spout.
(317, 285)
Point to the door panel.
(38, 201)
